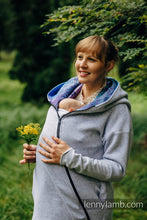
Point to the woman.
(80, 152)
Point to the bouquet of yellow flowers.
(29, 132)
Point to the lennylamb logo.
(113, 204)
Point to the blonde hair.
(100, 47)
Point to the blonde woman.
(80, 152)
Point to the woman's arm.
(116, 144)
(117, 140)
(111, 167)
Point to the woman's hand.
(53, 150)
(29, 154)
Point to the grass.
(15, 192)
(8, 88)
(16, 201)
(15, 195)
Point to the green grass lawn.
(16, 182)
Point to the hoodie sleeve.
(117, 140)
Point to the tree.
(121, 21)
(37, 63)
(6, 23)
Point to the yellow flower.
(22, 132)
(29, 132)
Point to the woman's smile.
(90, 70)
(83, 73)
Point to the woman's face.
(90, 70)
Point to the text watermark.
(113, 204)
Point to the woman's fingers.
(45, 153)
(50, 143)
(26, 161)
(53, 150)
(29, 157)
(29, 153)
(56, 139)
(30, 147)
(23, 161)
(48, 147)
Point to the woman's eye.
(79, 57)
(92, 59)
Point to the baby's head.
(103, 49)
(69, 104)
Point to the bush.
(140, 188)
(20, 115)
(139, 126)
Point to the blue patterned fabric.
(72, 87)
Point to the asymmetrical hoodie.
(100, 136)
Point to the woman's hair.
(103, 49)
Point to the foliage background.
(36, 62)
(35, 66)
(120, 21)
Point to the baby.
(70, 104)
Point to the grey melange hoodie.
(100, 136)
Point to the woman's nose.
(83, 63)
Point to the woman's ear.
(110, 65)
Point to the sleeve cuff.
(66, 155)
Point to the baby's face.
(70, 104)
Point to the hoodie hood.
(111, 95)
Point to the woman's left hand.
(53, 150)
